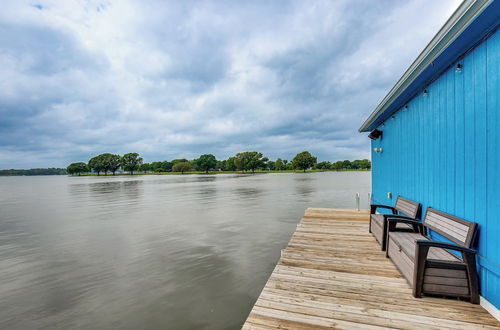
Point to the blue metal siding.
(444, 151)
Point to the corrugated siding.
(444, 151)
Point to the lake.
(150, 252)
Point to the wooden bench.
(428, 265)
(405, 209)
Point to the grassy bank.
(221, 172)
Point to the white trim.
(489, 307)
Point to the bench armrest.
(374, 207)
(402, 217)
(444, 245)
(393, 221)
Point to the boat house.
(436, 138)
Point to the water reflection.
(247, 192)
(206, 178)
(304, 185)
(149, 252)
(206, 194)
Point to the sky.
(177, 79)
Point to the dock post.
(357, 201)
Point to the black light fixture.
(458, 68)
(375, 134)
(426, 92)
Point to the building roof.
(470, 23)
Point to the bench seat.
(407, 242)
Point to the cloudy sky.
(171, 79)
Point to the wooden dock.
(333, 275)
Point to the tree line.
(248, 161)
(35, 171)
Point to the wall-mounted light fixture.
(375, 134)
(393, 117)
(458, 68)
(426, 92)
(405, 108)
(377, 149)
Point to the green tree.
(205, 163)
(250, 160)
(164, 166)
(279, 164)
(230, 164)
(303, 160)
(323, 166)
(366, 164)
(77, 168)
(221, 165)
(271, 165)
(96, 164)
(182, 167)
(145, 167)
(337, 166)
(179, 160)
(361, 164)
(111, 162)
(156, 166)
(131, 162)
(346, 165)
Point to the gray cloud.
(174, 79)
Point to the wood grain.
(333, 275)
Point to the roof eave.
(463, 16)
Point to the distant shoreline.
(196, 172)
(224, 172)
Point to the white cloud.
(174, 79)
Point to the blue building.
(440, 125)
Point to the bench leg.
(387, 240)
(470, 262)
(384, 235)
(421, 252)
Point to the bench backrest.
(408, 207)
(453, 228)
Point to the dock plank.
(332, 274)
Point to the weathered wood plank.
(436, 310)
(347, 312)
(332, 274)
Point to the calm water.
(150, 252)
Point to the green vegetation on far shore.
(231, 172)
(34, 171)
(242, 162)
